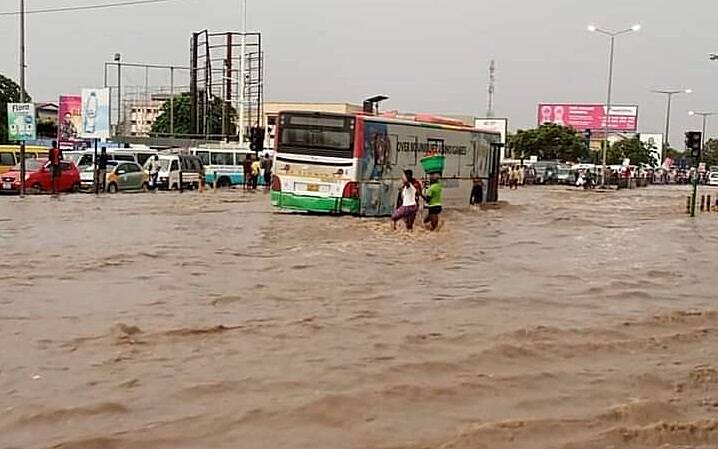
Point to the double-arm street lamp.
(669, 93)
(705, 116)
(612, 35)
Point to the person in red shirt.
(55, 171)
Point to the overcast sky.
(427, 55)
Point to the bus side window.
(203, 156)
(174, 166)
(7, 159)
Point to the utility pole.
(492, 88)
(22, 92)
(242, 68)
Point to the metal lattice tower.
(226, 72)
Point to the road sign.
(21, 122)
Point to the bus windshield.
(316, 135)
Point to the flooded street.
(560, 319)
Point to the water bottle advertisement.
(95, 114)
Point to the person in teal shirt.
(433, 199)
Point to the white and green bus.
(352, 164)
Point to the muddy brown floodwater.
(562, 319)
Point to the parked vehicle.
(86, 158)
(87, 175)
(10, 155)
(546, 172)
(176, 167)
(126, 176)
(713, 179)
(223, 165)
(565, 175)
(38, 177)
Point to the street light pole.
(607, 126)
(704, 116)
(669, 93)
(22, 92)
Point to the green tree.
(47, 129)
(182, 117)
(710, 153)
(9, 93)
(638, 152)
(549, 142)
(674, 154)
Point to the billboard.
(655, 143)
(95, 114)
(496, 125)
(70, 118)
(589, 116)
(21, 121)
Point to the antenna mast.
(492, 88)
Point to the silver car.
(126, 176)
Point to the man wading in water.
(433, 201)
(407, 204)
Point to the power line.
(86, 7)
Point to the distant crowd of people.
(254, 168)
(512, 176)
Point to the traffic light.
(587, 137)
(694, 143)
(256, 139)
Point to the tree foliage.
(549, 142)
(638, 152)
(710, 153)
(9, 93)
(47, 129)
(182, 117)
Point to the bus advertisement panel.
(349, 164)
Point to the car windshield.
(31, 165)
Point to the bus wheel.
(223, 183)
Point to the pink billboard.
(70, 121)
(589, 116)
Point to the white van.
(174, 167)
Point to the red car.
(39, 179)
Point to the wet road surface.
(560, 319)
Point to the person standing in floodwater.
(477, 193)
(247, 170)
(407, 205)
(101, 170)
(55, 170)
(433, 201)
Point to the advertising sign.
(655, 143)
(589, 116)
(496, 125)
(21, 121)
(95, 114)
(70, 117)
